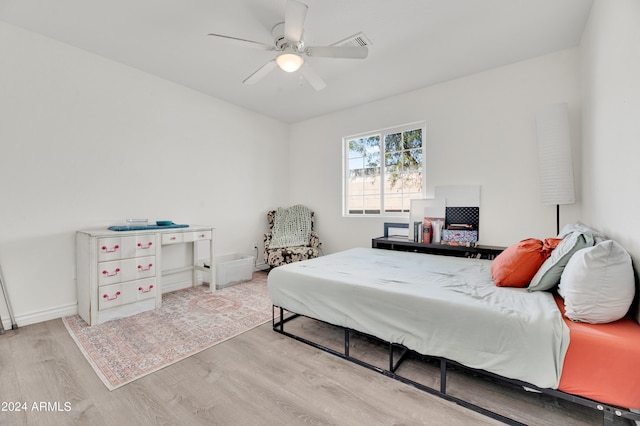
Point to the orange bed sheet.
(603, 361)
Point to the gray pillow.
(581, 227)
(548, 276)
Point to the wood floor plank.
(259, 377)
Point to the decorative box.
(459, 236)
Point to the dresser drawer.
(145, 289)
(173, 238)
(118, 271)
(112, 295)
(115, 248)
(196, 236)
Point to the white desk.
(119, 273)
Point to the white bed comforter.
(436, 305)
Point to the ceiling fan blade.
(338, 52)
(294, 15)
(312, 78)
(261, 72)
(246, 43)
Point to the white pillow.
(597, 284)
(548, 276)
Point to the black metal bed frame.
(609, 413)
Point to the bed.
(451, 309)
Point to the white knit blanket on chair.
(292, 227)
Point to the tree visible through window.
(384, 170)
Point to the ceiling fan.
(288, 42)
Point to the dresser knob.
(142, 268)
(142, 290)
(106, 273)
(108, 250)
(106, 296)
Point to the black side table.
(403, 244)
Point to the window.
(384, 170)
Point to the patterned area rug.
(189, 321)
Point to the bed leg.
(281, 319)
(609, 414)
(346, 342)
(443, 376)
(391, 366)
(607, 418)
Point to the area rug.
(189, 321)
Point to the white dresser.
(119, 273)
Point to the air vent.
(356, 40)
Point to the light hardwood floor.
(257, 378)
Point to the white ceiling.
(415, 43)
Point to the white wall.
(610, 51)
(480, 130)
(75, 129)
(88, 142)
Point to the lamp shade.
(554, 155)
(289, 62)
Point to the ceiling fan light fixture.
(289, 62)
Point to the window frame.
(382, 133)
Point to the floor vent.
(356, 40)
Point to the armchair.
(276, 254)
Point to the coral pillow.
(515, 266)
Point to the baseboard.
(260, 267)
(67, 310)
(42, 316)
(6, 323)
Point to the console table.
(403, 244)
(119, 273)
